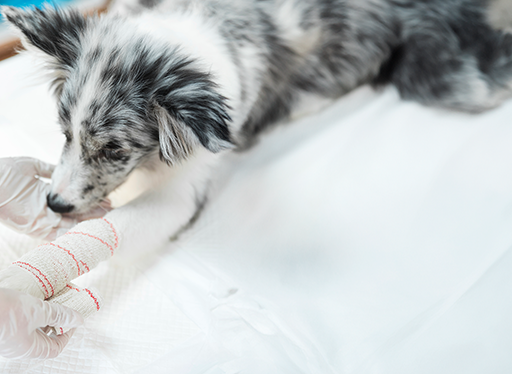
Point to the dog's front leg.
(145, 223)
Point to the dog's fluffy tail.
(451, 56)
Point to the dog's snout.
(57, 204)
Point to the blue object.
(23, 3)
(26, 3)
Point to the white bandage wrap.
(54, 265)
(85, 301)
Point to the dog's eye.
(110, 154)
(68, 137)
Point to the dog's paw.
(21, 280)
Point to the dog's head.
(122, 99)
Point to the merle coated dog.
(182, 81)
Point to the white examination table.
(371, 238)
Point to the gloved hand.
(23, 200)
(22, 320)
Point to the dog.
(174, 85)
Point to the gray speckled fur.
(439, 52)
(150, 97)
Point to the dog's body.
(186, 80)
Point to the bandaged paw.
(47, 271)
(54, 265)
(85, 301)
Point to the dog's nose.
(57, 204)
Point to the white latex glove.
(23, 200)
(22, 320)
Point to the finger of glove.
(44, 224)
(42, 168)
(43, 221)
(57, 315)
(49, 346)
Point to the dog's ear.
(55, 32)
(177, 142)
(189, 111)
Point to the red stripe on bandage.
(85, 265)
(72, 288)
(95, 300)
(113, 230)
(93, 237)
(18, 263)
(71, 254)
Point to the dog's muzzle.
(57, 204)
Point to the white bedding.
(373, 237)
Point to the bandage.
(85, 301)
(54, 265)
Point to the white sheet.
(373, 237)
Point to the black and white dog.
(185, 80)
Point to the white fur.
(149, 221)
